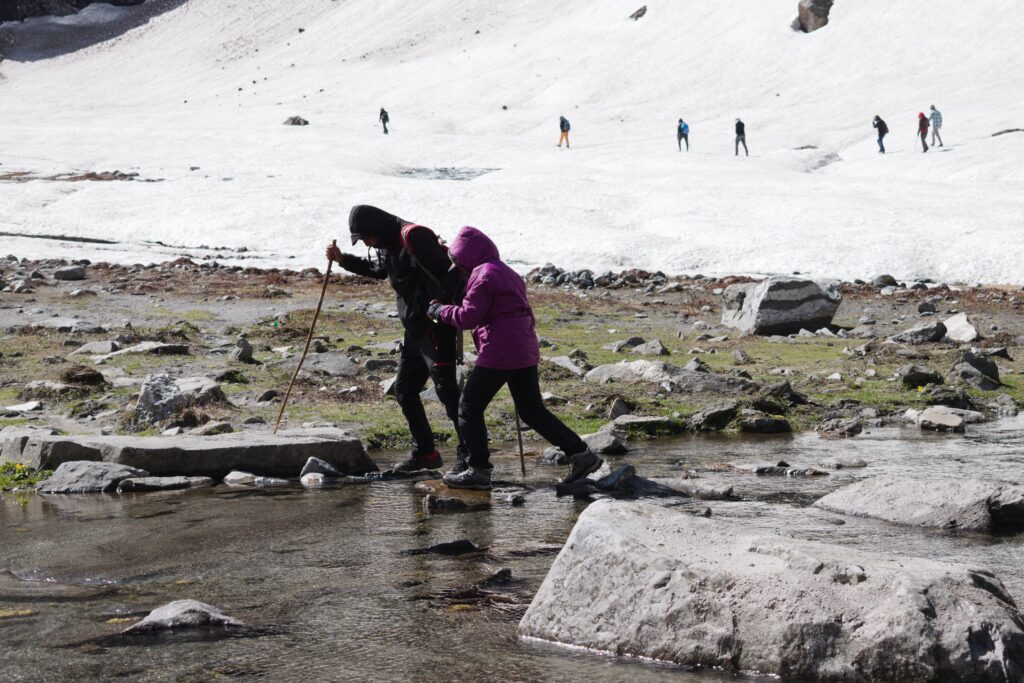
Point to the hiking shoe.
(581, 464)
(430, 461)
(471, 478)
(460, 466)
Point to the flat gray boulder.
(715, 418)
(183, 614)
(329, 363)
(643, 580)
(968, 504)
(941, 419)
(779, 305)
(200, 390)
(282, 455)
(84, 476)
(69, 273)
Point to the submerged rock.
(968, 504)
(645, 580)
(142, 484)
(183, 614)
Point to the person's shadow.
(38, 38)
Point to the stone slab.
(643, 580)
(206, 456)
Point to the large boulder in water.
(83, 476)
(644, 580)
(968, 504)
(779, 305)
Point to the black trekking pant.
(430, 353)
(881, 144)
(523, 384)
(924, 140)
(742, 140)
(680, 139)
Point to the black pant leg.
(524, 385)
(482, 385)
(412, 377)
(438, 352)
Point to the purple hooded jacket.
(495, 306)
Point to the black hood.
(366, 220)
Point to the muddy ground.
(208, 306)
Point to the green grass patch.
(15, 475)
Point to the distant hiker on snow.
(496, 308)
(936, 119)
(741, 137)
(883, 130)
(384, 118)
(563, 125)
(922, 130)
(683, 133)
(416, 263)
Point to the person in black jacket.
(420, 271)
(384, 118)
(883, 130)
(563, 126)
(741, 137)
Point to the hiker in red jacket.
(496, 308)
(922, 130)
(413, 259)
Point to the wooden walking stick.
(519, 433)
(309, 338)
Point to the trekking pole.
(309, 338)
(519, 433)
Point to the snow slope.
(179, 92)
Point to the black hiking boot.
(461, 461)
(430, 461)
(581, 464)
(478, 478)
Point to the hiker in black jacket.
(384, 118)
(883, 130)
(412, 257)
(741, 137)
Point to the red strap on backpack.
(403, 237)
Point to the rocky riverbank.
(203, 349)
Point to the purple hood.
(495, 306)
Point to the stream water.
(324, 576)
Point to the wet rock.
(643, 425)
(779, 305)
(69, 273)
(83, 476)
(554, 456)
(435, 504)
(605, 443)
(460, 547)
(716, 417)
(159, 400)
(1001, 406)
(242, 350)
(960, 329)
(967, 504)
(914, 376)
(312, 480)
(784, 469)
(236, 478)
(941, 419)
(650, 581)
(841, 428)
(695, 488)
(183, 614)
(752, 422)
(922, 334)
(840, 462)
(141, 484)
(318, 466)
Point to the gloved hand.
(434, 310)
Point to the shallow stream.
(323, 574)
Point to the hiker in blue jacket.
(683, 133)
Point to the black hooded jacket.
(414, 289)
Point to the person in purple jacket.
(495, 307)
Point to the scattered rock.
(296, 121)
(840, 462)
(618, 407)
(183, 614)
(741, 357)
(922, 334)
(977, 370)
(686, 381)
(840, 427)
(753, 422)
(159, 400)
(779, 305)
(967, 504)
(941, 419)
(914, 376)
(84, 476)
(605, 443)
(318, 466)
(434, 504)
(213, 428)
(69, 273)
(95, 348)
(716, 417)
(200, 391)
(651, 348)
(242, 350)
(960, 329)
